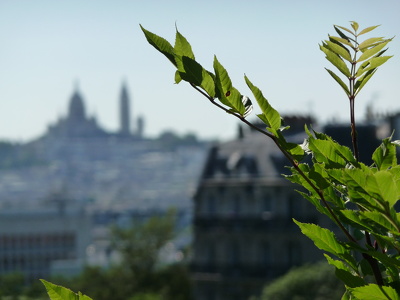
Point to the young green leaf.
(344, 274)
(373, 63)
(354, 25)
(369, 42)
(382, 185)
(385, 155)
(160, 44)
(372, 51)
(368, 29)
(339, 50)
(57, 292)
(374, 292)
(182, 46)
(336, 61)
(271, 117)
(325, 240)
(331, 153)
(342, 41)
(344, 28)
(361, 82)
(194, 73)
(229, 95)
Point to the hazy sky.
(49, 47)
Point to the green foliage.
(138, 274)
(359, 199)
(11, 285)
(57, 292)
(313, 282)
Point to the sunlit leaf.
(372, 51)
(368, 29)
(272, 117)
(182, 46)
(385, 155)
(342, 40)
(344, 274)
(331, 153)
(325, 240)
(379, 219)
(178, 77)
(360, 83)
(372, 64)
(354, 24)
(194, 73)
(369, 42)
(160, 44)
(375, 292)
(229, 95)
(381, 185)
(339, 50)
(344, 28)
(336, 61)
(57, 292)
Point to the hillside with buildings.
(85, 163)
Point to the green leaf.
(382, 185)
(339, 50)
(343, 41)
(229, 95)
(331, 153)
(372, 51)
(344, 274)
(340, 81)
(182, 46)
(374, 292)
(160, 44)
(369, 42)
(178, 77)
(344, 28)
(57, 292)
(360, 83)
(270, 116)
(325, 240)
(194, 73)
(368, 29)
(371, 64)
(385, 155)
(336, 61)
(354, 24)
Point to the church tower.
(124, 114)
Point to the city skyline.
(48, 46)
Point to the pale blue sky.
(46, 46)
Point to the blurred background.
(103, 157)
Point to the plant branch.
(371, 260)
(289, 157)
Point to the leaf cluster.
(359, 199)
(345, 52)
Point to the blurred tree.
(11, 285)
(309, 282)
(137, 275)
